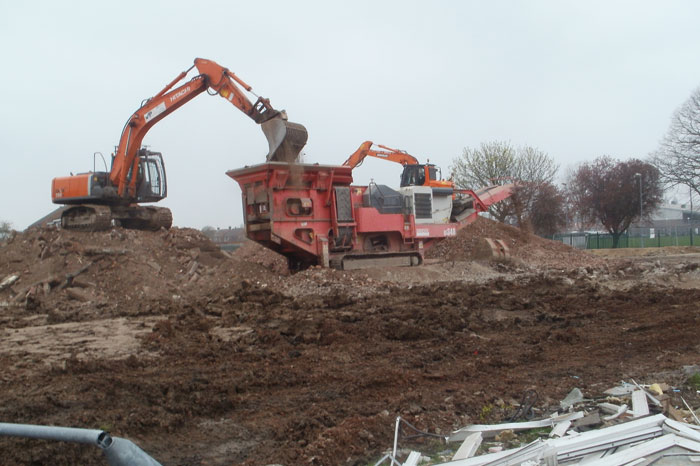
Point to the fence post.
(597, 240)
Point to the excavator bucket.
(286, 139)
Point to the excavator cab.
(423, 175)
(413, 175)
(152, 185)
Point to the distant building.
(669, 219)
(226, 238)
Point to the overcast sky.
(576, 79)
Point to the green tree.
(607, 191)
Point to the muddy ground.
(205, 358)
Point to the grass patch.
(694, 381)
(533, 434)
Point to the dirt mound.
(255, 253)
(533, 250)
(136, 270)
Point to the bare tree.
(678, 157)
(499, 162)
(608, 191)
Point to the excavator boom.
(365, 149)
(285, 145)
(137, 175)
(414, 173)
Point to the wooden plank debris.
(70, 276)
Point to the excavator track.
(161, 218)
(87, 217)
(359, 261)
(138, 217)
(92, 217)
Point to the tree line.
(608, 192)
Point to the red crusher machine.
(314, 215)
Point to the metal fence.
(646, 238)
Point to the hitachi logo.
(179, 94)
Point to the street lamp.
(690, 218)
(641, 237)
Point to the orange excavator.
(97, 200)
(414, 173)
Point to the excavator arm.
(394, 155)
(285, 139)
(414, 173)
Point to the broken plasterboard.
(469, 447)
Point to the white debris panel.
(644, 440)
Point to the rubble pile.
(255, 253)
(56, 269)
(524, 247)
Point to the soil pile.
(533, 250)
(257, 254)
(126, 268)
